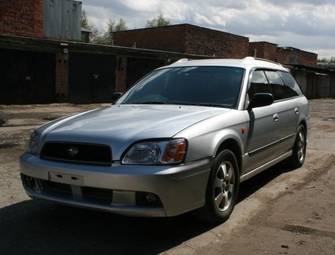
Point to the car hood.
(121, 125)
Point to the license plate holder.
(71, 179)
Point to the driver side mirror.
(260, 100)
(116, 96)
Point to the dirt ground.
(280, 211)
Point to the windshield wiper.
(216, 105)
(205, 104)
(149, 102)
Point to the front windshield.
(202, 85)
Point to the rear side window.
(258, 83)
(291, 83)
(280, 91)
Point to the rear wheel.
(299, 149)
(222, 189)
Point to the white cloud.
(306, 24)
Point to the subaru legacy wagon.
(181, 139)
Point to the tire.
(299, 149)
(222, 189)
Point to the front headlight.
(156, 152)
(34, 143)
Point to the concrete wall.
(21, 17)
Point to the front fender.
(207, 145)
(225, 135)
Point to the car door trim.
(267, 165)
(258, 150)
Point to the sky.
(305, 24)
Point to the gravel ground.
(280, 211)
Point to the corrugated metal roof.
(62, 19)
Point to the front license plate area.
(66, 178)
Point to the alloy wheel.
(224, 186)
(301, 144)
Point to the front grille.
(97, 195)
(57, 189)
(77, 153)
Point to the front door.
(263, 125)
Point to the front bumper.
(178, 188)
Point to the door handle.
(296, 110)
(275, 117)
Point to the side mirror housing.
(116, 96)
(260, 100)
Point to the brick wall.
(282, 55)
(169, 38)
(21, 17)
(308, 58)
(263, 50)
(186, 38)
(296, 56)
(210, 42)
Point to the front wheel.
(222, 188)
(299, 149)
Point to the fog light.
(151, 198)
(147, 199)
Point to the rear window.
(279, 89)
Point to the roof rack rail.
(263, 59)
(182, 60)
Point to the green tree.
(120, 25)
(112, 26)
(159, 21)
(84, 21)
(99, 38)
(108, 35)
(327, 60)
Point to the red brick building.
(264, 50)
(289, 55)
(21, 17)
(284, 55)
(41, 18)
(185, 38)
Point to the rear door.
(287, 111)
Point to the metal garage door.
(91, 77)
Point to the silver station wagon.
(183, 138)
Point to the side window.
(291, 83)
(258, 83)
(280, 91)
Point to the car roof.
(246, 63)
